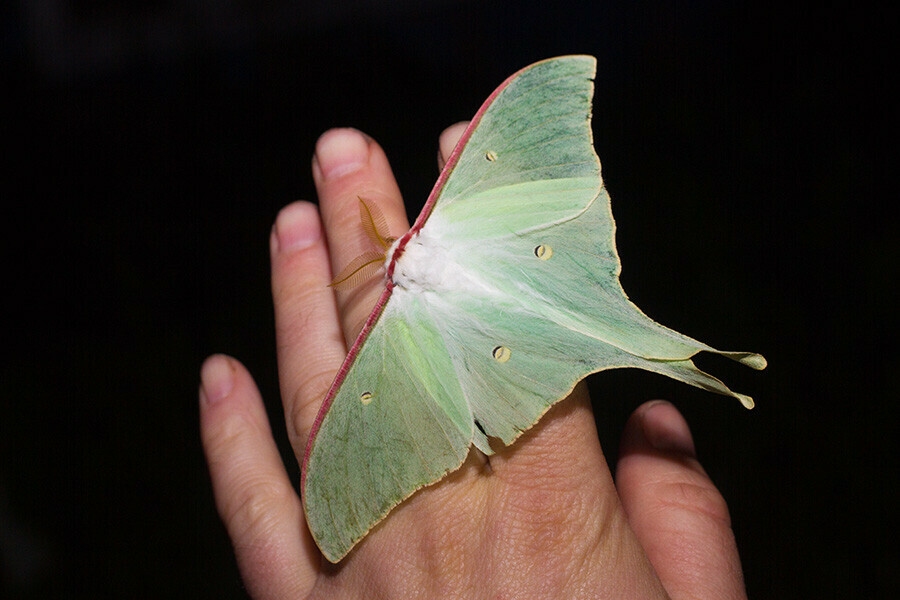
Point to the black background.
(149, 146)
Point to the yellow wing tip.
(747, 401)
(756, 361)
(751, 359)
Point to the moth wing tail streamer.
(514, 363)
(568, 273)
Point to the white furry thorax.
(427, 265)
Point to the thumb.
(678, 515)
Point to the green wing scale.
(502, 296)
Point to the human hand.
(542, 518)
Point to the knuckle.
(256, 510)
(700, 498)
(304, 401)
(227, 435)
(544, 518)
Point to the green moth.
(502, 296)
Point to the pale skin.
(541, 519)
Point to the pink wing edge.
(386, 294)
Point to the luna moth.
(502, 296)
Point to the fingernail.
(666, 430)
(216, 379)
(339, 152)
(296, 227)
